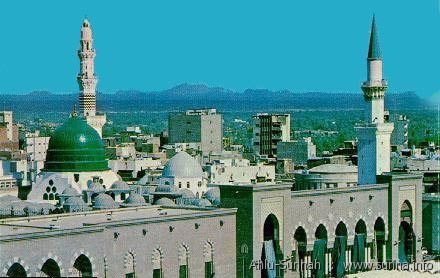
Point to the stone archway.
(271, 253)
(359, 245)
(339, 250)
(83, 266)
(406, 243)
(51, 268)
(16, 270)
(379, 240)
(319, 251)
(299, 255)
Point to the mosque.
(236, 230)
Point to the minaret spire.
(86, 78)
(374, 135)
(374, 49)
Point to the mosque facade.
(235, 230)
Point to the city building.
(299, 151)
(399, 137)
(36, 150)
(204, 126)
(268, 131)
(87, 80)
(374, 149)
(8, 132)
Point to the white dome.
(182, 165)
(104, 201)
(135, 200)
(120, 185)
(70, 192)
(165, 202)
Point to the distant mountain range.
(187, 96)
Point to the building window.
(208, 254)
(48, 189)
(157, 258)
(122, 196)
(199, 184)
(130, 264)
(183, 261)
(180, 184)
(51, 196)
(45, 196)
(50, 182)
(187, 184)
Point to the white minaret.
(87, 80)
(374, 135)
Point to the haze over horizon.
(300, 47)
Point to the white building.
(183, 171)
(87, 80)
(230, 171)
(268, 130)
(374, 148)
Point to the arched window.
(379, 236)
(208, 254)
(51, 196)
(180, 184)
(130, 264)
(299, 254)
(157, 258)
(319, 250)
(187, 184)
(339, 248)
(16, 270)
(45, 196)
(83, 266)
(359, 244)
(51, 269)
(183, 253)
(199, 184)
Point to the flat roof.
(31, 226)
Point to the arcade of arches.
(329, 257)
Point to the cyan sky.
(153, 45)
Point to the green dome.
(75, 147)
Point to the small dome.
(120, 185)
(104, 201)
(182, 165)
(202, 203)
(135, 200)
(70, 192)
(165, 202)
(213, 194)
(75, 147)
(8, 198)
(186, 193)
(75, 201)
(96, 187)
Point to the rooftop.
(75, 222)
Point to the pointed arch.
(83, 266)
(379, 240)
(130, 264)
(157, 261)
(16, 270)
(208, 255)
(51, 268)
(183, 255)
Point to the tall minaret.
(374, 135)
(87, 80)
